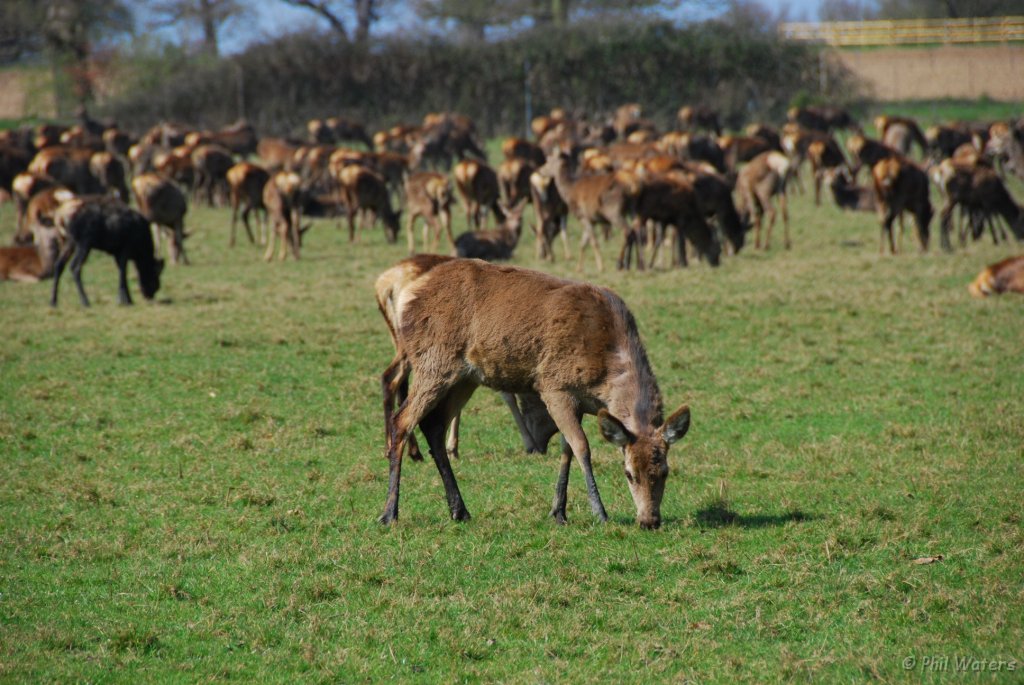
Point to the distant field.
(929, 112)
(189, 489)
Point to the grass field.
(188, 489)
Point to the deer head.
(646, 459)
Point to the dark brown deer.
(901, 186)
(694, 117)
(496, 244)
(867, 152)
(107, 169)
(672, 201)
(516, 330)
(757, 186)
(514, 180)
(211, 162)
(900, 133)
(113, 227)
(847, 194)
(824, 119)
(1006, 276)
(246, 182)
(163, 203)
(823, 155)
(428, 195)
(984, 196)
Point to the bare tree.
(365, 13)
(208, 15)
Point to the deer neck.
(630, 390)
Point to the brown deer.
(275, 153)
(68, 166)
(847, 194)
(107, 169)
(552, 215)
(757, 186)
(246, 182)
(497, 244)
(211, 162)
(699, 117)
(867, 152)
(714, 195)
(282, 196)
(366, 191)
(672, 201)
(1006, 276)
(164, 205)
(515, 330)
(478, 186)
(983, 194)
(32, 263)
(24, 187)
(597, 199)
(428, 195)
(900, 133)
(514, 180)
(901, 186)
(519, 148)
(824, 119)
(739, 149)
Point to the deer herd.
(555, 349)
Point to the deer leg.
(562, 408)
(785, 219)
(58, 269)
(234, 221)
(529, 443)
(945, 226)
(411, 233)
(425, 396)
(657, 238)
(562, 485)
(563, 228)
(451, 445)
(433, 426)
(123, 296)
(446, 220)
(268, 254)
(76, 272)
(248, 229)
(178, 243)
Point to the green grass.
(929, 112)
(188, 489)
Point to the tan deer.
(757, 186)
(429, 196)
(164, 205)
(282, 196)
(552, 215)
(478, 186)
(366, 191)
(1006, 276)
(246, 182)
(598, 199)
(514, 330)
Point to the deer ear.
(677, 425)
(612, 429)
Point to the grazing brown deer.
(901, 186)
(984, 196)
(672, 201)
(847, 194)
(366, 191)
(515, 330)
(758, 184)
(1006, 276)
(211, 162)
(496, 244)
(164, 205)
(282, 196)
(478, 185)
(428, 195)
(246, 182)
(714, 195)
(519, 148)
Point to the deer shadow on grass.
(718, 514)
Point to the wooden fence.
(908, 32)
